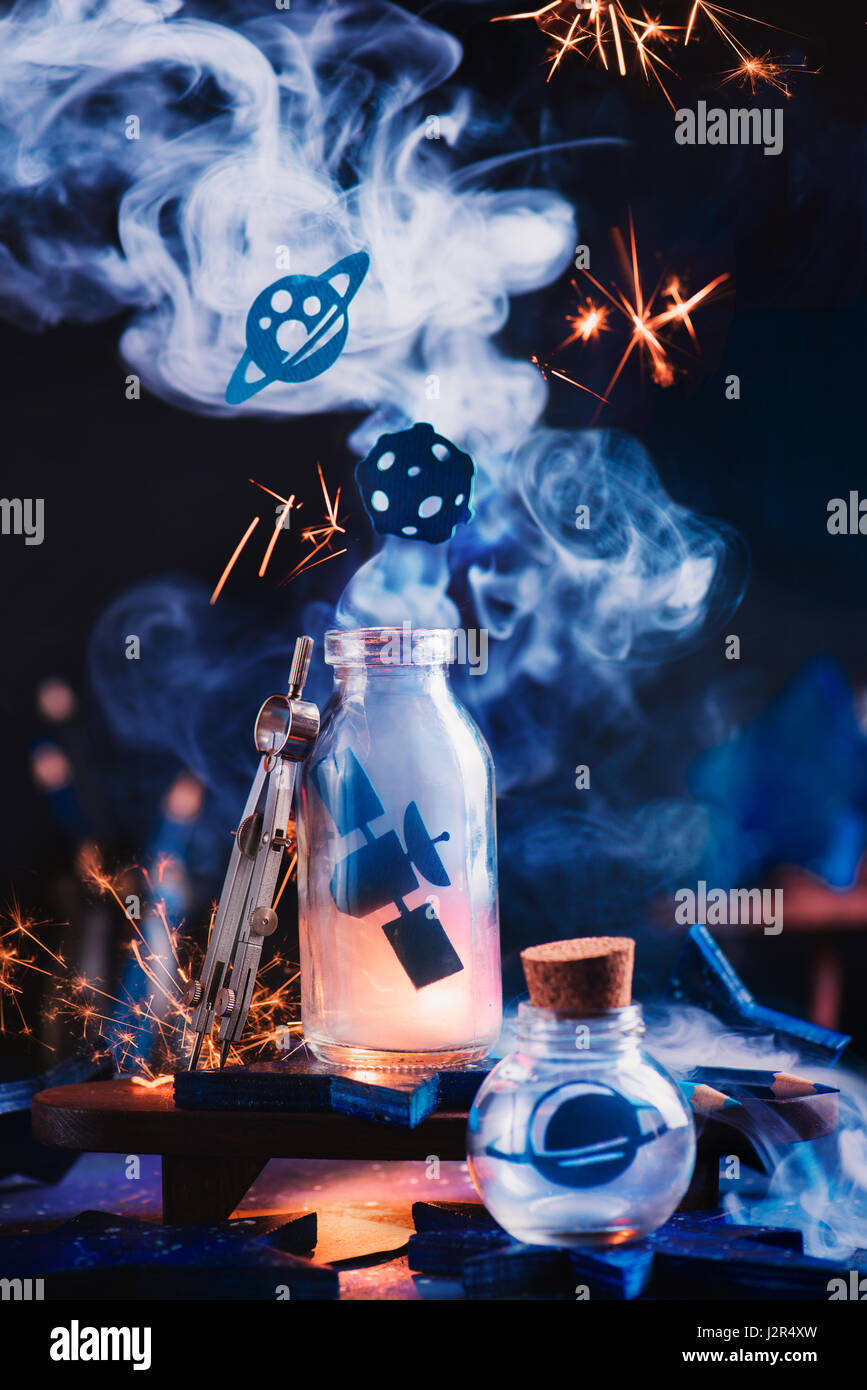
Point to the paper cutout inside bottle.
(584, 1134)
(297, 328)
(381, 871)
(416, 484)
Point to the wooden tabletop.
(120, 1117)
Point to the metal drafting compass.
(285, 730)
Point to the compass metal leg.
(285, 730)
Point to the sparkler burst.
(20, 949)
(608, 32)
(319, 537)
(754, 72)
(143, 1032)
(588, 322)
(548, 371)
(626, 43)
(653, 317)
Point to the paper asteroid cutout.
(416, 484)
(297, 327)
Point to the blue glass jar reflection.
(579, 1137)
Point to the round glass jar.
(397, 864)
(579, 1137)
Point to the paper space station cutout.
(416, 484)
(381, 872)
(297, 328)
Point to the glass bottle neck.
(355, 680)
(543, 1033)
(407, 658)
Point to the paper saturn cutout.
(297, 328)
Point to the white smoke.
(279, 143)
(261, 149)
(819, 1188)
(305, 135)
(308, 132)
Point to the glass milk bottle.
(397, 867)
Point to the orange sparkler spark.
(139, 1031)
(293, 864)
(547, 371)
(596, 25)
(320, 537)
(752, 70)
(277, 529)
(713, 13)
(612, 15)
(646, 322)
(755, 71)
(573, 382)
(231, 565)
(590, 27)
(270, 491)
(529, 14)
(681, 307)
(589, 322)
(13, 964)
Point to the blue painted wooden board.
(305, 1085)
(703, 975)
(462, 1240)
(101, 1255)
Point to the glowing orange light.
(646, 319)
(752, 70)
(713, 13)
(293, 864)
(755, 71)
(320, 537)
(593, 25)
(590, 27)
(572, 382)
(235, 553)
(589, 322)
(287, 507)
(121, 1026)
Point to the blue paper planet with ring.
(584, 1134)
(297, 327)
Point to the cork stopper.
(582, 976)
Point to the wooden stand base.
(210, 1158)
(203, 1191)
